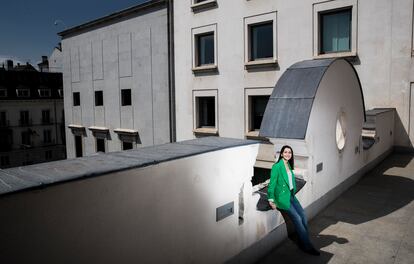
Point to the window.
(4, 161)
(206, 112)
(26, 138)
(335, 29)
(260, 41)
(126, 145)
(198, 5)
(24, 118)
(205, 48)
(3, 119)
(46, 116)
(76, 98)
(78, 146)
(100, 145)
(3, 92)
(126, 97)
(258, 107)
(47, 136)
(48, 155)
(23, 92)
(255, 102)
(98, 98)
(44, 92)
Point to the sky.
(28, 30)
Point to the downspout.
(171, 70)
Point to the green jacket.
(278, 189)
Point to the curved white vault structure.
(193, 201)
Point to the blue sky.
(27, 29)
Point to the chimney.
(9, 64)
(44, 59)
(44, 65)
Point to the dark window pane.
(258, 108)
(260, 175)
(206, 112)
(76, 98)
(78, 146)
(335, 31)
(100, 145)
(126, 145)
(26, 138)
(126, 96)
(261, 41)
(205, 48)
(45, 116)
(98, 98)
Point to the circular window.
(340, 131)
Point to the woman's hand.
(273, 205)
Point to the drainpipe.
(171, 70)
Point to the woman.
(281, 195)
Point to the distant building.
(31, 116)
(55, 59)
(116, 81)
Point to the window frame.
(5, 93)
(22, 90)
(42, 92)
(195, 33)
(331, 7)
(76, 101)
(123, 103)
(248, 93)
(253, 21)
(99, 102)
(203, 5)
(205, 130)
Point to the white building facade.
(115, 77)
(230, 54)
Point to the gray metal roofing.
(36, 176)
(289, 107)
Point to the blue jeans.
(298, 217)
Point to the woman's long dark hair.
(292, 159)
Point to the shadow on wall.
(378, 194)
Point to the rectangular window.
(126, 97)
(261, 41)
(3, 119)
(26, 138)
(45, 92)
(48, 155)
(257, 109)
(23, 92)
(100, 145)
(46, 116)
(126, 145)
(3, 92)
(47, 136)
(98, 98)
(206, 112)
(78, 146)
(335, 31)
(205, 49)
(5, 160)
(76, 98)
(24, 118)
